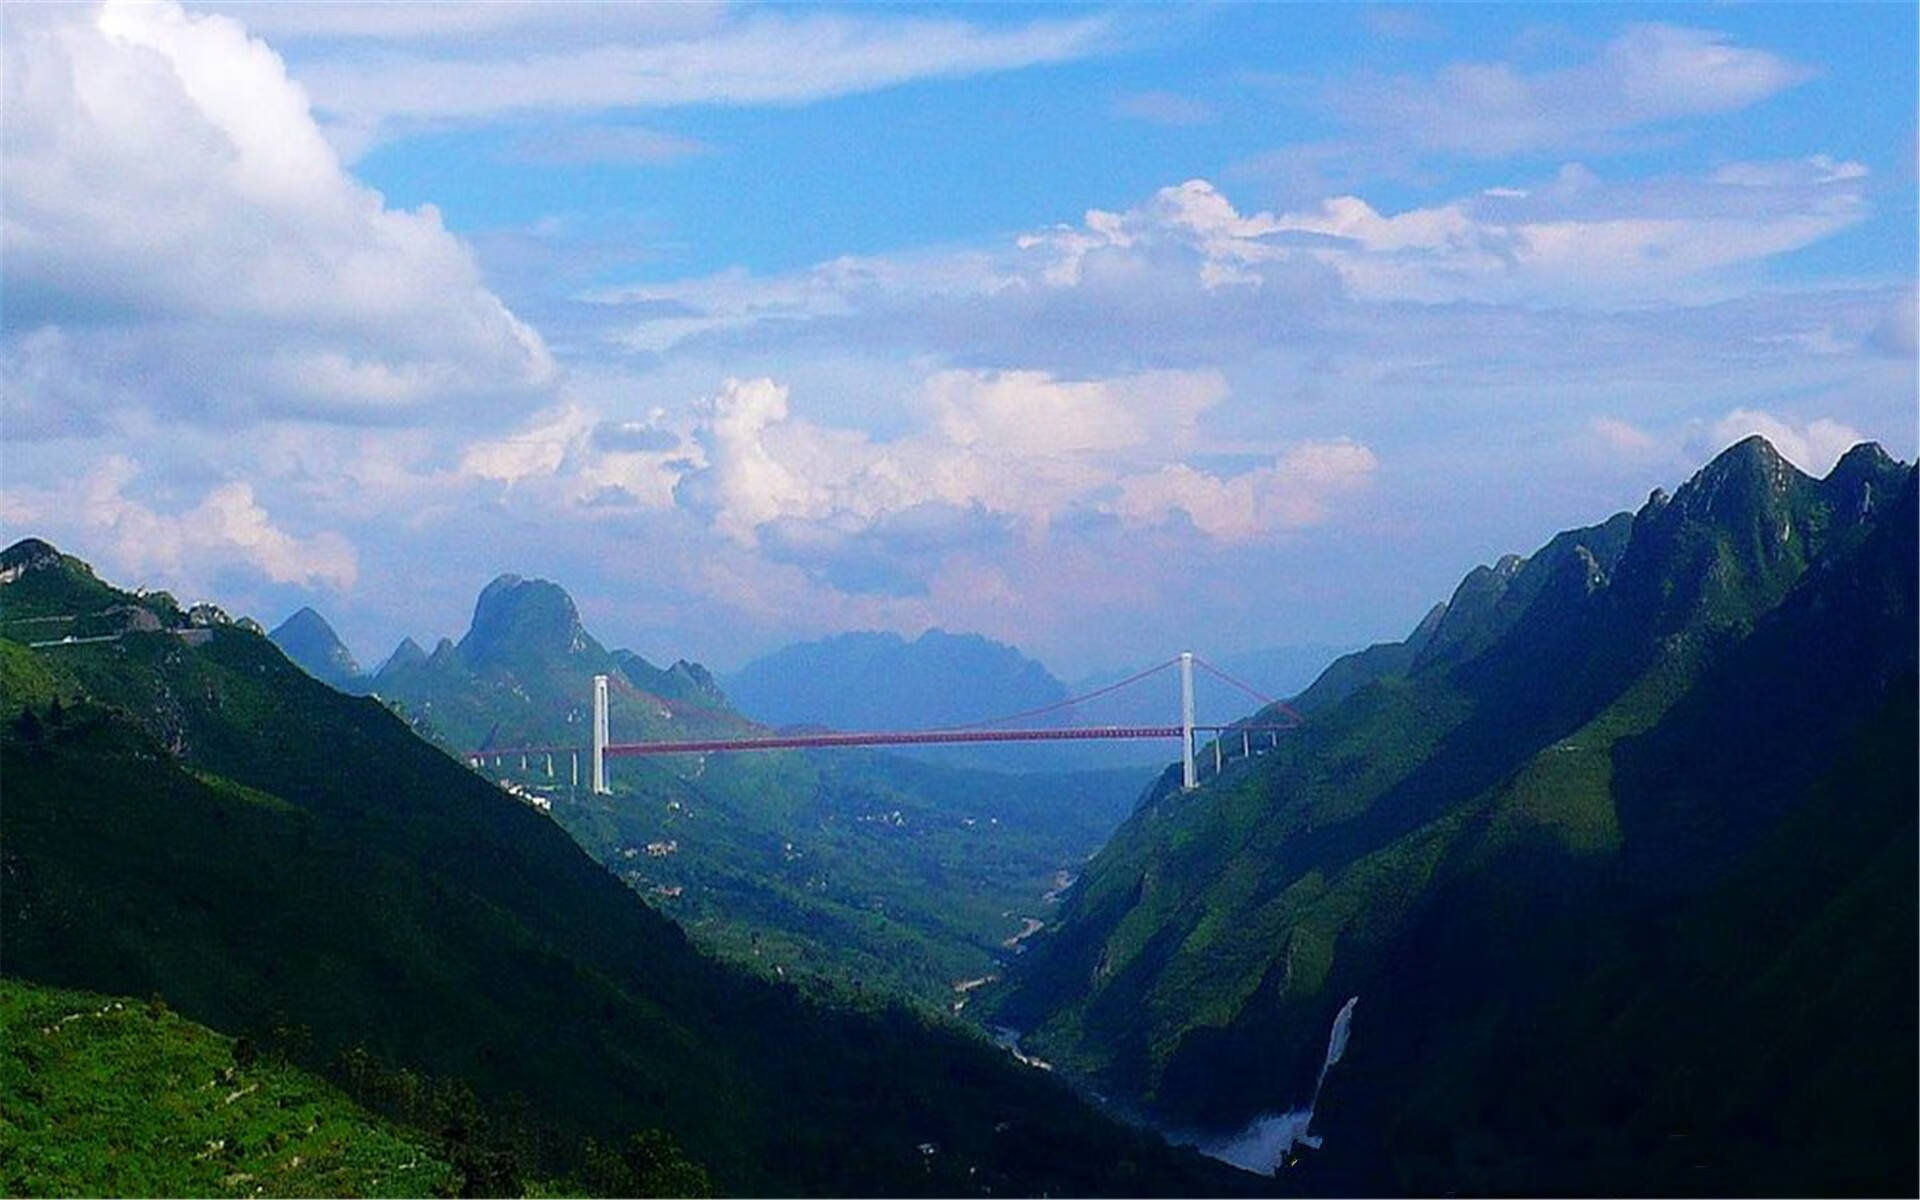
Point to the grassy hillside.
(1558, 827)
(121, 1097)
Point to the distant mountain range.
(188, 816)
(850, 866)
(882, 681)
(874, 680)
(1616, 851)
(521, 675)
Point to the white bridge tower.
(600, 738)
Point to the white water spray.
(1269, 1142)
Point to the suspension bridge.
(997, 729)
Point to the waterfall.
(1269, 1142)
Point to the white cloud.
(1292, 493)
(1021, 446)
(1623, 437)
(1649, 75)
(1581, 239)
(1813, 446)
(227, 527)
(1817, 169)
(527, 23)
(173, 211)
(762, 58)
(1186, 278)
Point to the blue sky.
(1107, 330)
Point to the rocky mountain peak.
(27, 555)
(516, 617)
(307, 639)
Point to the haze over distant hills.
(1616, 851)
(883, 681)
(842, 866)
(876, 680)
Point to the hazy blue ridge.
(307, 639)
(882, 681)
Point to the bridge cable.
(1069, 702)
(1266, 701)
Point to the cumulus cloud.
(227, 527)
(1813, 446)
(173, 211)
(1650, 75)
(1291, 493)
(996, 453)
(572, 457)
(1187, 279)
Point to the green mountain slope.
(852, 867)
(523, 675)
(116, 1097)
(1614, 809)
(307, 639)
(189, 814)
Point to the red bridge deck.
(918, 737)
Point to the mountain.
(404, 657)
(522, 675)
(882, 681)
(872, 680)
(858, 868)
(1616, 852)
(190, 816)
(307, 639)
